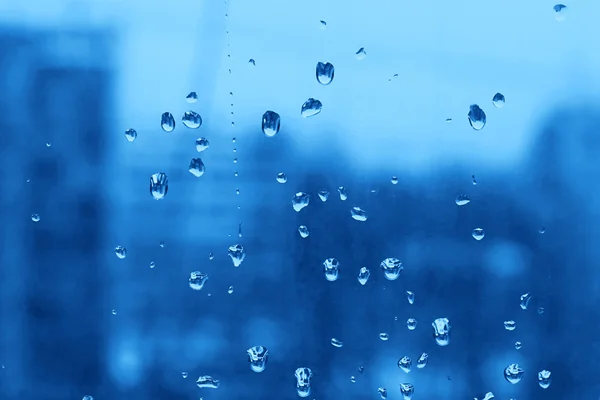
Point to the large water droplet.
(207, 382)
(192, 97)
(310, 107)
(510, 325)
(271, 122)
(498, 100)
(476, 117)
(325, 72)
(121, 252)
(544, 379)
(422, 361)
(441, 331)
(196, 167)
(167, 122)
(303, 231)
(358, 214)
(361, 53)
(331, 267)
(303, 377)
(462, 199)
(237, 254)
(525, 298)
(513, 373)
(197, 280)
(405, 364)
(560, 12)
(336, 342)
(363, 275)
(159, 185)
(130, 134)
(478, 233)
(191, 119)
(391, 268)
(202, 144)
(257, 356)
(407, 390)
(300, 200)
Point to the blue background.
(77, 74)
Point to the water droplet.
(518, 345)
(271, 122)
(361, 53)
(202, 144)
(208, 382)
(513, 373)
(159, 185)
(423, 360)
(540, 310)
(462, 199)
(152, 264)
(487, 396)
(325, 73)
(184, 374)
(498, 100)
(167, 122)
(323, 24)
(410, 296)
(197, 280)
(300, 200)
(544, 378)
(130, 134)
(560, 12)
(476, 117)
(441, 331)
(405, 364)
(382, 392)
(162, 244)
(251, 61)
(363, 275)
(303, 231)
(474, 180)
(478, 233)
(331, 267)
(510, 325)
(281, 177)
(391, 268)
(411, 324)
(394, 180)
(353, 379)
(358, 214)
(35, 217)
(310, 107)
(114, 312)
(384, 336)
(211, 256)
(336, 342)
(323, 195)
(361, 369)
(407, 390)
(257, 356)
(448, 120)
(542, 230)
(303, 377)
(192, 97)
(237, 254)
(121, 252)
(343, 193)
(192, 119)
(196, 167)
(87, 397)
(525, 298)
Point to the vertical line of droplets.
(231, 110)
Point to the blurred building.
(55, 103)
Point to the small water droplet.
(462, 199)
(441, 331)
(167, 122)
(323, 195)
(131, 134)
(323, 24)
(87, 397)
(423, 360)
(211, 256)
(237, 254)
(540, 310)
(336, 342)
(114, 312)
(476, 116)
(258, 356)
(230, 290)
(510, 325)
(358, 214)
(310, 108)
(251, 61)
(544, 379)
(202, 144)
(363, 275)
(207, 382)
(331, 267)
(473, 180)
(271, 122)
(152, 264)
(325, 73)
(162, 244)
(191, 119)
(478, 234)
(560, 12)
(121, 252)
(405, 364)
(411, 324)
(394, 180)
(382, 392)
(361, 53)
(281, 177)
(513, 373)
(303, 231)
(197, 280)
(184, 374)
(525, 298)
(159, 185)
(300, 200)
(518, 345)
(407, 390)
(343, 193)
(384, 336)
(35, 217)
(448, 120)
(498, 100)
(192, 97)
(353, 379)
(542, 230)
(361, 369)
(410, 296)
(391, 268)
(196, 167)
